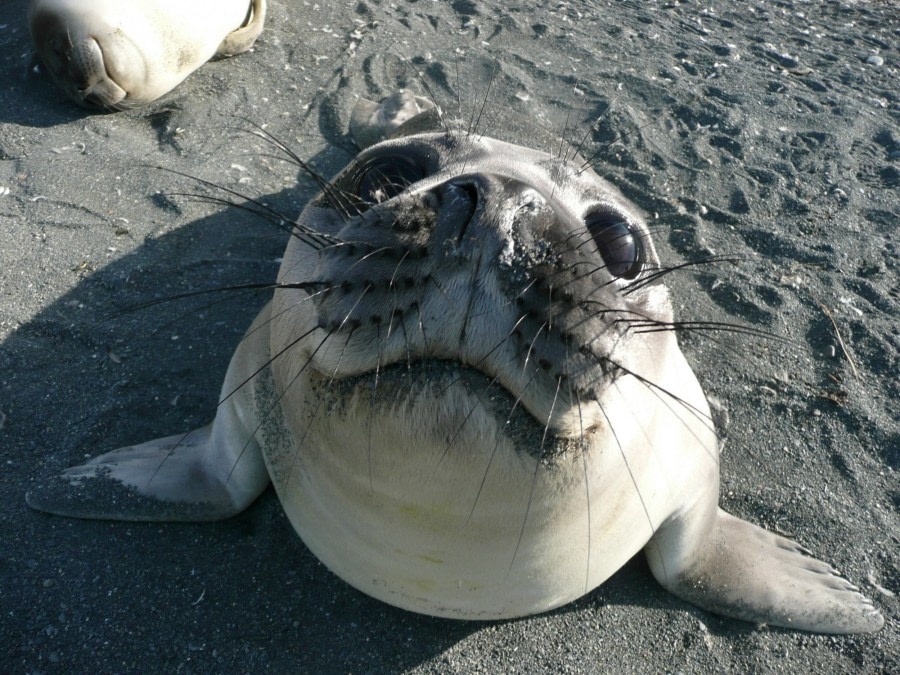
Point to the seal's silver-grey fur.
(469, 397)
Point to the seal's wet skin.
(468, 394)
(112, 55)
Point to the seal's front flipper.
(168, 479)
(208, 474)
(743, 571)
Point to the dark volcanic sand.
(761, 129)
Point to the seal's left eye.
(618, 242)
(385, 177)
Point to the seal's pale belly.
(452, 520)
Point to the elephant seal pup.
(468, 394)
(116, 54)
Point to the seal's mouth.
(439, 384)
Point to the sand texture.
(765, 130)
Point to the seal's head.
(527, 268)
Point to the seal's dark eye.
(618, 242)
(382, 178)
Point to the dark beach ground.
(768, 130)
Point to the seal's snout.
(113, 54)
(76, 64)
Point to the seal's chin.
(454, 405)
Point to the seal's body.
(469, 397)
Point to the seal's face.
(528, 269)
(470, 361)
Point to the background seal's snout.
(76, 66)
(112, 55)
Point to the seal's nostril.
(465, 197)
(458, 192)
(471, 192)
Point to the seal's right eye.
(385, 177)
(619, 243)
